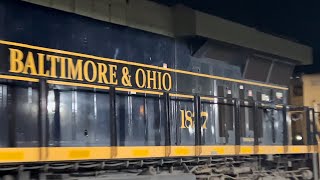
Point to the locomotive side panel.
(209, 105)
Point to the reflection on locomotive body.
(298, 127)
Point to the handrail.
(217, 100)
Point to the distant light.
(298, 137)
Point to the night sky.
(295, 20)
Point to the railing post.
(237, 122)
(285, 128)
(12, 118)
(308, 123)
(315, 131)
(168, 124)
(57, 126)
(255, 127)
(236, 105)
(197, 119)
(113, 122)
(43, 120)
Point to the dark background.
(295, 20)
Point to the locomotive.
(117, 98)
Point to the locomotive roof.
(182, 21)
